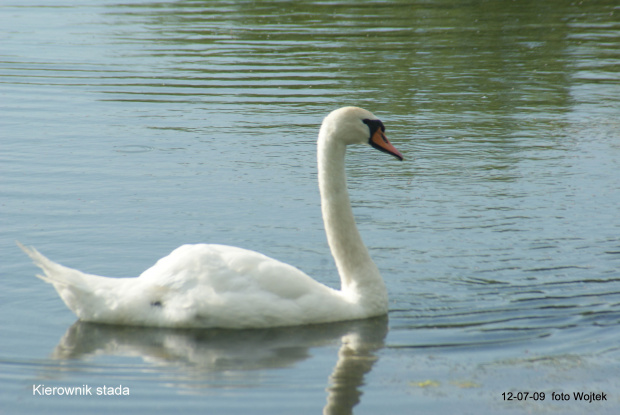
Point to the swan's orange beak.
(380, 142)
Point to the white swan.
(223, 286)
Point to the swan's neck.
(358, 273)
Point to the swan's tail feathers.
(85, 294)
(56, 274)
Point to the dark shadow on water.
(209, 357)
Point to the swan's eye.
(374, 125)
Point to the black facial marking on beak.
(374, 125)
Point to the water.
(128, 129)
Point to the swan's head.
(353, 125)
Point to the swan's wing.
(224, 269)
(217, 285)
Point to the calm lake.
(130, 128)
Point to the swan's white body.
(223, 286)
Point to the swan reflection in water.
(216, 357)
